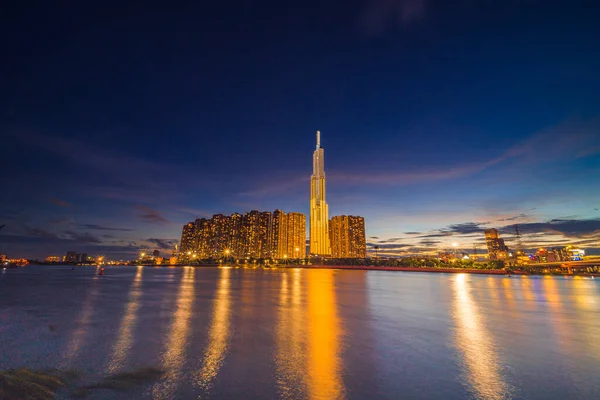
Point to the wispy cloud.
(103, 228)
(379, 15)
(83, 237)
(574, 228)
(163, 243)
(61, 203)
(148, 214)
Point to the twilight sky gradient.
(121, 121)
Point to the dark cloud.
(163, 243)
(390, 240)
(82, 237)
(579, 228)
(104, 228)
(516, 217)
(374, 237)
(60, 203)
(40, 233)
(388, 246)
(413, 233)
(150, 215)
(436, 235)
(431, 243)
(61, 220)
(466, 228)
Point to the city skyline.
(439, 122)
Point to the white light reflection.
(174, 356)
(78, 337)
(125, 334)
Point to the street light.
(285, 258)
(226, 255)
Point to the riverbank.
(405, 269)
(434, 270)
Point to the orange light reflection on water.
(475, 342)
(219, 333)
(290, 357)
(324, 363)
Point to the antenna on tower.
(318, 139)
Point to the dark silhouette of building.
(71, 257)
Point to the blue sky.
(120, 123)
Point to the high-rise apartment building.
(319, 211)
(188, 239)
(347, 235)
(496, 247)
(71, 257)
(279, 234)
(252, 235)
(296, 235)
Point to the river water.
(301, 333)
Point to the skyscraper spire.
(319, 211)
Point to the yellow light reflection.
(174, 356)
(528, 294)
(588, 306)
(324, 364)
(290, 357)
(125, 335)
(476, 345)
(508, 290)
(78, 336)
(219, 333)
(583, 298)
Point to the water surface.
(301, 333)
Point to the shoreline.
(496, 272)
(431, 270)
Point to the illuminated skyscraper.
(496, 247)
(319, 212)
(347, 235)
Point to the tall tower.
(319, 211)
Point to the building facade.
(319, 211)
(347, 235)
(497, 250)
(255, 234)
(296, 235)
